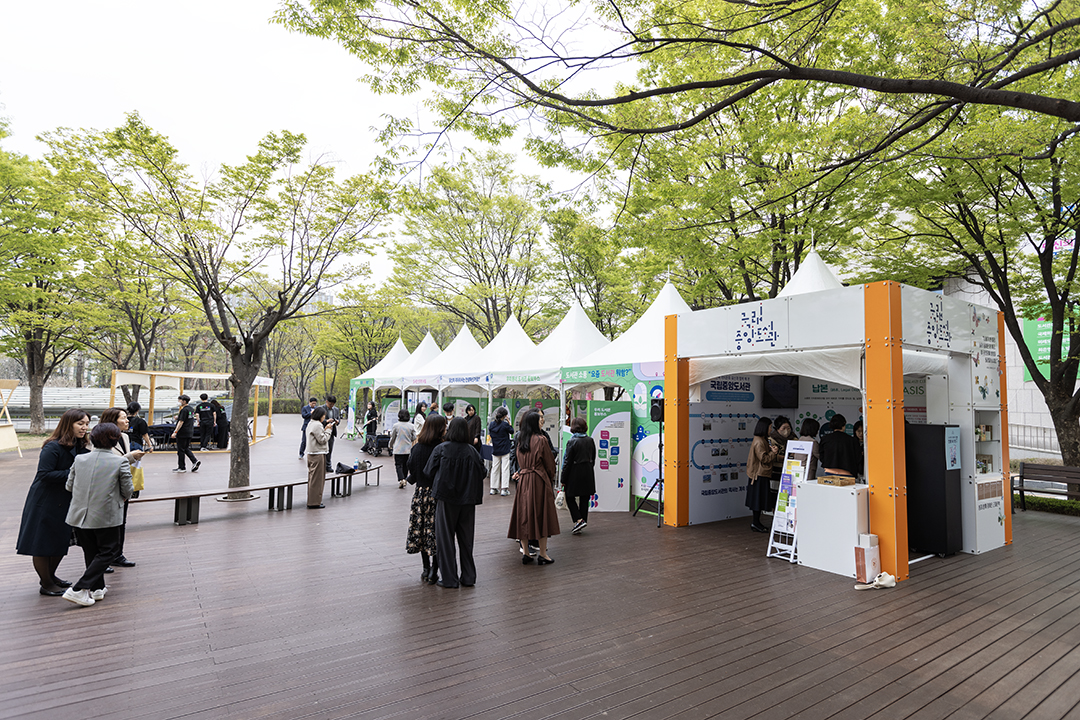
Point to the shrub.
(1058, 506)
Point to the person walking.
(578, 475)
(43, 532)
(100, 483)
(534, 516)
(421, 537)
(185, 430)
(318, 445)
(119, 418)
(332, 413)
(457, 474)
(402, 437)
(206, 414)
(500, 431)
(305, 415)
(763, 452)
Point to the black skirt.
(757, 494)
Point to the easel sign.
(783, 539)
(8, 439)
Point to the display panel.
(780, 391)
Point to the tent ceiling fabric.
(813, 275)
(393, 359)
(643, 342)
(839, 365)
(163, 379)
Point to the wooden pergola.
(155, 380)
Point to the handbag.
(137, 478)
(560, 499)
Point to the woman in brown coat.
(534, 516)
(759, 472)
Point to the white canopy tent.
(424, 353)
(460, 350)
(397, 355)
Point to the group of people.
(79, 496)
(835, 454)
(213, 428)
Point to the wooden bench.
(341, 483)
(186, 512)
(1045, 473)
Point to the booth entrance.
(164, 380)
(864, 339)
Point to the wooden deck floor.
(321, 614)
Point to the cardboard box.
(867, 563)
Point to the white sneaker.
(99, 594)
(195, 467)
(504, 493)
(79, 597)
(179, 469)
(493, 492)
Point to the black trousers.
(455, 521)
(99, 547)
(123, 533)
(329, 452)
(206, 436)
(401, 463)
(183, 450)
(578, 507)
(303, 440)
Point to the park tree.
(362, 330)
(291, 356)
(250, 249)
(923, 63)
(472, 246)
(1008, 224)
(45, 315)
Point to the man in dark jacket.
(206, 414)
(840, 453)
(305, 414)
(332, 414)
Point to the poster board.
(8, 439)
(609, 427)
(784, 534)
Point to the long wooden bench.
(1045, 473)
(279, 494)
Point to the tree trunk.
(80, 370)
(1067, 424)
(240, 455)
(37, 402)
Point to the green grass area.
(1050, 505)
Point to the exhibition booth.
(936, 469)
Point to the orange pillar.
(886, 467)
(1006, 495)
(676, 428)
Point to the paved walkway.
(321, 614)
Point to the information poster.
(609, 427)
(720, 436)
(782, 539)
(952, 448)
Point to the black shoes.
(61, 583)
(195, 467)
(758, 527)
(51, 593)
(315, 507)
(526, 559)
(109, 570)
(123, 562)
(544, 561)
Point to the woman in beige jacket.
(318, 446)
(759, 472)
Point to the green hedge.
(1048, 504)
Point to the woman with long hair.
(476, 426)
(44, 533)
(119, 418)
(420, 416)
(421, 537)
(371, 422)
(808, 433)
(457, 484)
(534, 516)
(763, 453)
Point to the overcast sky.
(213, 76)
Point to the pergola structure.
(154, 380)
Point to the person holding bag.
(578, 476)
(318, 445)
(100, 483)
(119, 418)
(421, 537)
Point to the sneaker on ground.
(504, 493)
(79, 597)
(578, 527)
(98, 594)
(195, 467)
(179, 470)
(493, 492)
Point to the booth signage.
(784, 534)
(1037, 336)
(609, 427)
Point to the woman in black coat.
(457, 474)
(579, 480)
(44, 533)
(421, 538)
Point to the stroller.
(375, 444)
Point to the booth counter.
(831, 518)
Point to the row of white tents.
(512, 359)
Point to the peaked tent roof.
(397, 355)
(813, 275)
(511, 342)
(574, 338)
(644, 340)
(462, 348)
(427, 350)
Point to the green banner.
(1037, 336)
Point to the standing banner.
(609, 427)
(783, 539)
